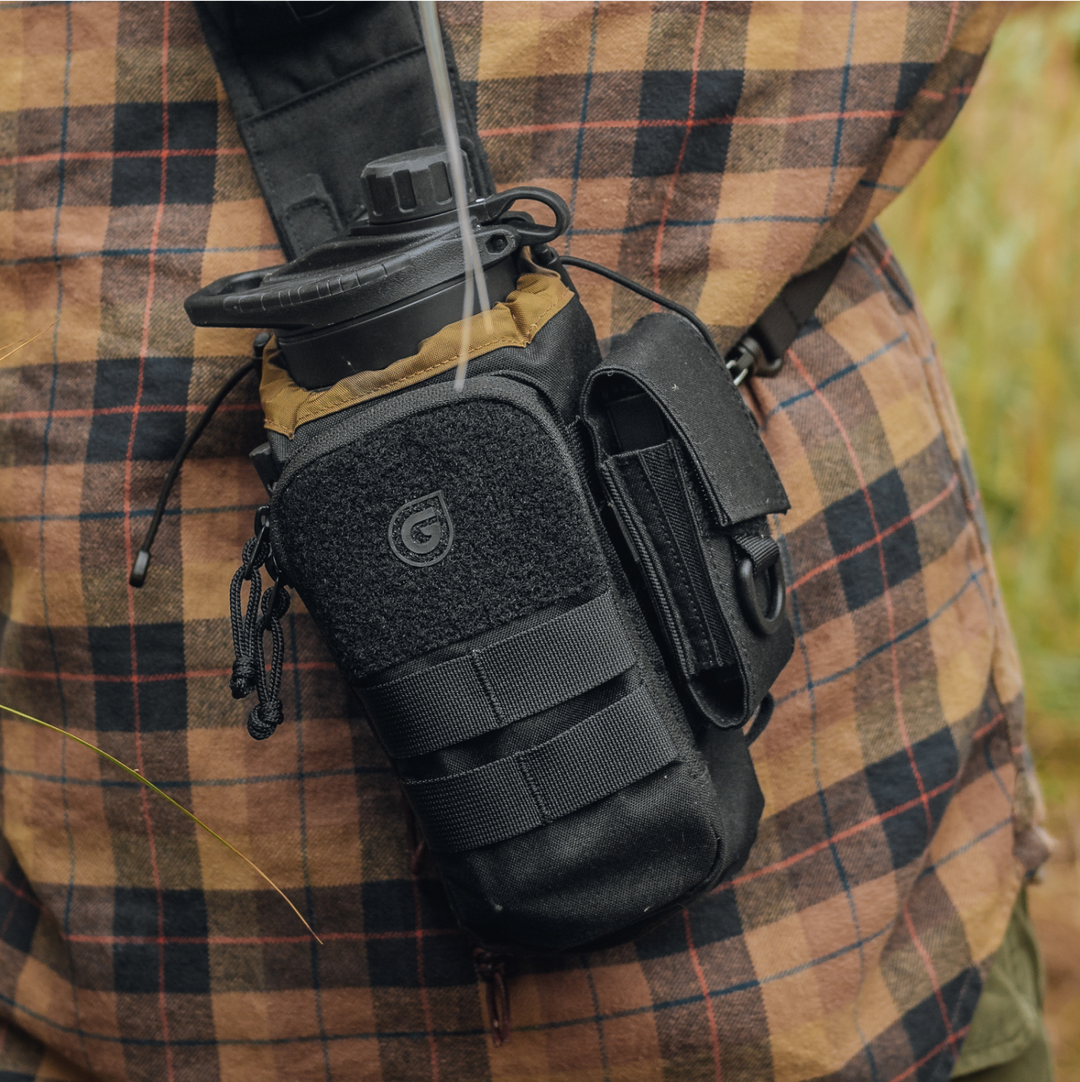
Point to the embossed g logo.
(421, 531)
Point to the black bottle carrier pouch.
(453, 549)
(554, 590)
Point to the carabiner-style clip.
(749, 358)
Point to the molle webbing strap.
(614, 748)
(317, 96)
(495, 685)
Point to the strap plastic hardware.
(749, 358)
(764, 623)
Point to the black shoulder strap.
(319, 90)
(761, 349)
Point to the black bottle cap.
(415, 184)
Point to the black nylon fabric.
(319, 96)
(606, 873)
(697, 481)
(655, 485)
(666, 357)
(552, 764)
(508, 680)
(516, 521)
(597, 757)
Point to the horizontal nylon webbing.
(511, 679)
(597, 757)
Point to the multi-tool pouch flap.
(666, 359)
(691, 482)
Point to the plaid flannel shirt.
(709, 150)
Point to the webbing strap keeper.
(606, 752)
(505, 681)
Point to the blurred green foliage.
(989, 234)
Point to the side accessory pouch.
(691, 483)
(575, 775)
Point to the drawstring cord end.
(265, 718)
(242, 680)
(138, 569)
(142, 561)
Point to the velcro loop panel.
(505, 681)
(606, 752)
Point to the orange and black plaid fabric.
(711, 150)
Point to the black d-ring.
(764, 623)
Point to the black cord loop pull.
(264, 719)
(142, 560)
(242, 682)
(263, 612)
(644, 291)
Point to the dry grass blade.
(165, 796)
(15, 349)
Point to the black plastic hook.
(530, 232)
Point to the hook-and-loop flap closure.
(666, 360)
(690, 483)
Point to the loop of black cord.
(269, 714)
(262, 613)
(644, 291)
(142, 560)
(245, 671)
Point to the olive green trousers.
(1007, 1041)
